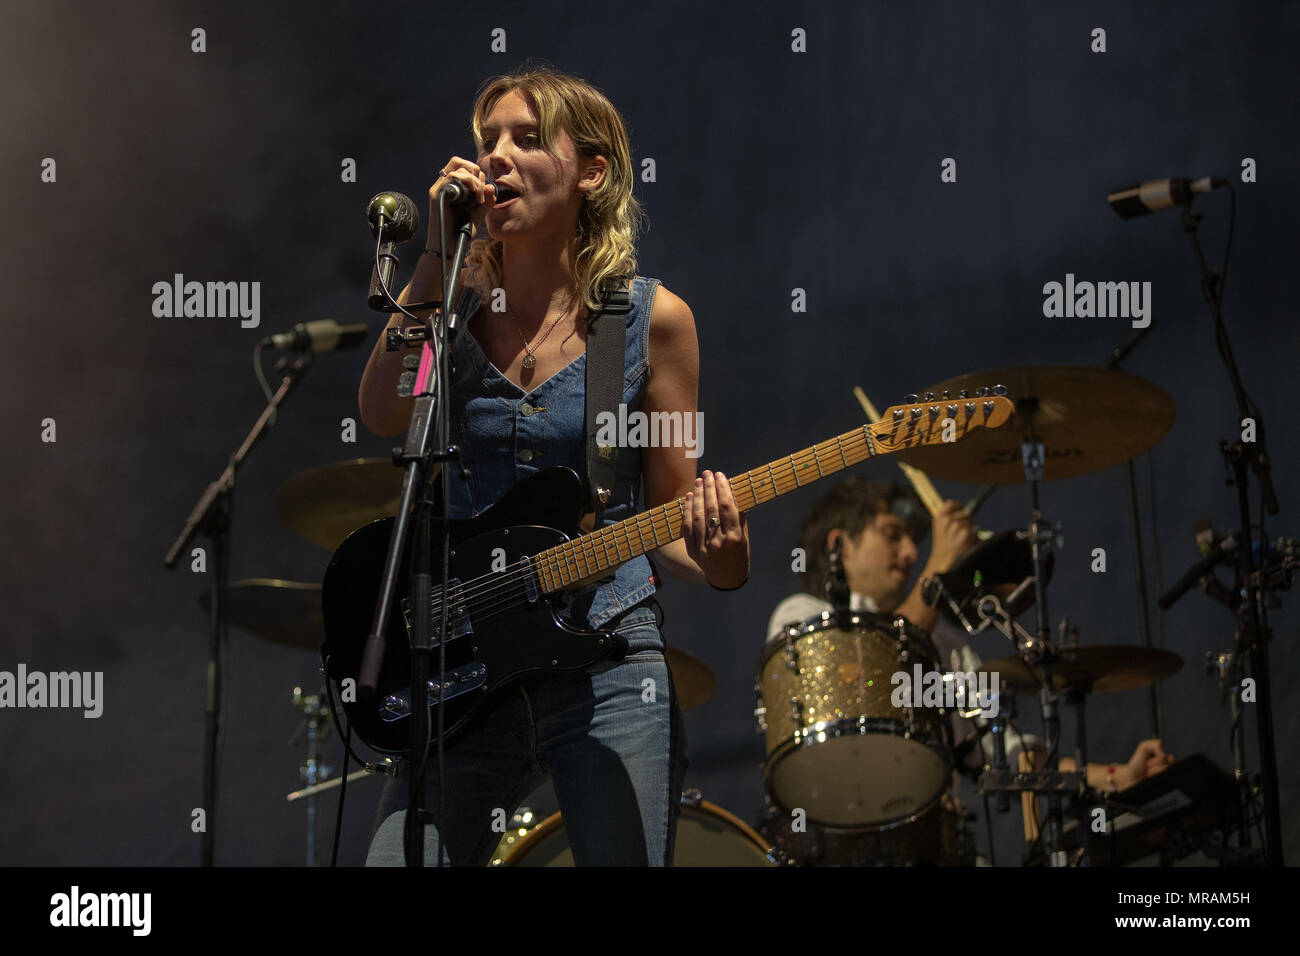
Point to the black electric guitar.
(509, 564)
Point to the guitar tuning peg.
(964, 393)
(909, 398)
(929, 396)
(945, 394)
(981, 391)
(999, 389)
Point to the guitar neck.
(593, 555)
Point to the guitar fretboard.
(593, 555)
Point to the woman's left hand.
(715, 534)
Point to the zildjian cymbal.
(327, 504)
(1088, 419)
(1097, 669)
(282, 612)
(692, 679)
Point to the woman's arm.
(719, 555)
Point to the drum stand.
(1037, 652)
(314, 727)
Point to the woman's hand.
(472, 177)
(715, 533)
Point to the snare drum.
(837, 747)
(707, 835)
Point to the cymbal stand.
(314, 728)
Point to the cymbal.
(327, 504)
(1097, 669)
(282, 612)
(1088, 419)
(692, 678)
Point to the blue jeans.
(612, 742)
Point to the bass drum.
(939, 836)
(707, 835)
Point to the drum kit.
(849, 777)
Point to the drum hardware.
(760, 712)
(314, 728)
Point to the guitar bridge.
(460, 680)
(458, 617)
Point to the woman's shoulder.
(669, 312)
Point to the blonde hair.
(610, 218)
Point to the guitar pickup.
(458, 617)
(460, 680)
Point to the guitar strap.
(606, 347)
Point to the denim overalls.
(611, 742)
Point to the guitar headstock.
(942, 419)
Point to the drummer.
(877, 525)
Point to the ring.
(714, 521)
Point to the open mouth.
(505, 194)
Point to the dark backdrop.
(775, 170)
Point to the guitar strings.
(573, 553)
(503, 588)
(511, 579)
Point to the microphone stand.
(1117, 355)
(1254, 629)
(427, 442)
(211, 515)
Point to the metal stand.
(1254, 630)
(211, 515)
(315, 727)
(427, 443)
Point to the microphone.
(395, 216)
(1199, 570)
(1206, 538)
(323, 335)
(1158, 194)
(836, 586)
(460, 198)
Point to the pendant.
(529, 360)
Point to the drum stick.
(925, 489)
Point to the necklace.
(530, 360)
